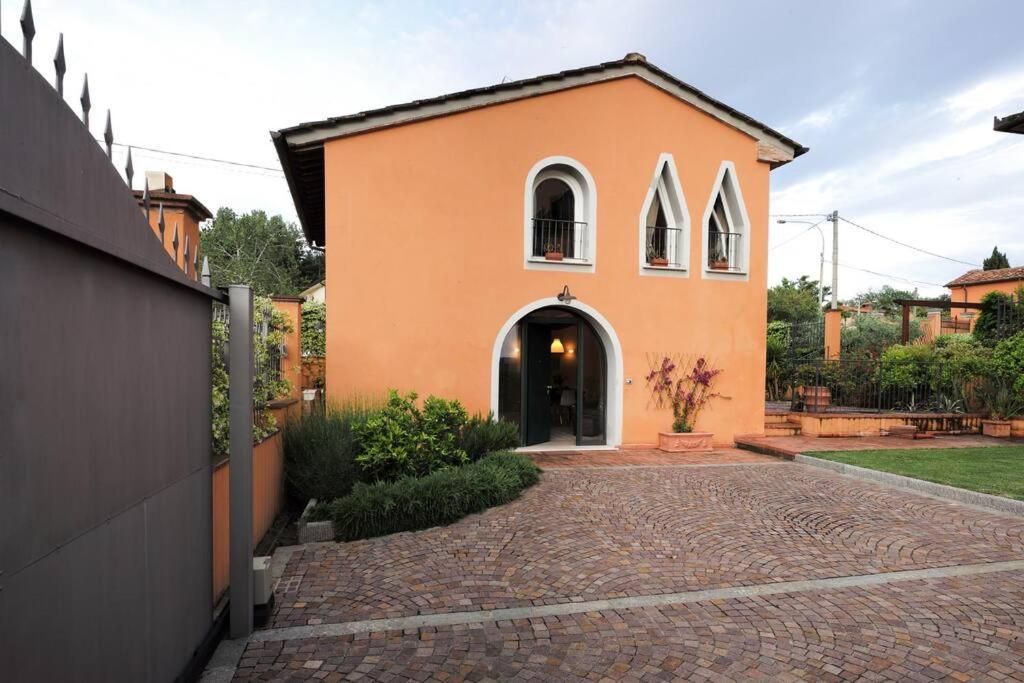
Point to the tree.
(996, 260)
(883, 299)
(262, 251)
(794, 301)
(312, 268)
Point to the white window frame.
(578, 178)
(727, 181)
(675, 217)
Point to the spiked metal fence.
(106, 485)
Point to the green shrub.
(412, 503)
(401, 440)
(483, 435)
(1008, 363)
(907, 367)
(320, 450)
(314, 328)
(267, 382)
(868, 336)
(962, 362)
(986, 329)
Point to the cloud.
(930, 173)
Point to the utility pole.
(835, 259)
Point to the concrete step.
(781, 430)
(776, 418)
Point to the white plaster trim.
(380, 119)
(708, 273)
(666, 162)
(585, 209)
(613, 357)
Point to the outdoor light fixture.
(565, 296)
(556, 346)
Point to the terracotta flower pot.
(658, 261)
(719, 265)
(685, 442)
(817, 399)
(997, 428)
(553, 255)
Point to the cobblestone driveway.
(635, 573)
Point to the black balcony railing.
(556, 239)
(724, 250)
(663, 246)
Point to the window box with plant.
(553, 252)
(687, 397)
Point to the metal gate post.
(240, 383)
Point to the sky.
(895, 98)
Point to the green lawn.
(998, 470)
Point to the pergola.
(928, 303)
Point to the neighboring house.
(317, 292)
(182, 214)
(454, 224)
(1014, 123)
(974, 284)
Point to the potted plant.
(1001, 403)
(553, 251)
(687, 395)
(720, 264)
(655, 259)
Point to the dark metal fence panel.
(806, 340)
(1009, 318)
(871, 385)
(105, 520)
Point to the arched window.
(664, 223)
(559, 216)
(726, 234)
(554, 218)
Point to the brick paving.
(953, 629)
(592, 534)
(644, 458)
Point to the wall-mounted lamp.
(565, 296)
(556, 346)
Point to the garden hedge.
(413, 503)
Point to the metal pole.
(835, 259)
(821, 271)
(240, 374)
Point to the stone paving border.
(481, 616)
(671, 466)
(981, 500)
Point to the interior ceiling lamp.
(556, 346)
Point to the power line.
(887, 275)
(908, 246)
(202, 158)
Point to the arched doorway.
(557, 374)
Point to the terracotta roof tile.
(973, 277)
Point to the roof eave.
(1012, 123)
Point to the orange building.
(535, 248)
(182, 214)
(974, 284)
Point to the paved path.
(767, 569)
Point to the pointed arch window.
(664, 222)
(726, 231)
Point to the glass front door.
(553, 380)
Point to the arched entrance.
(557, 373)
